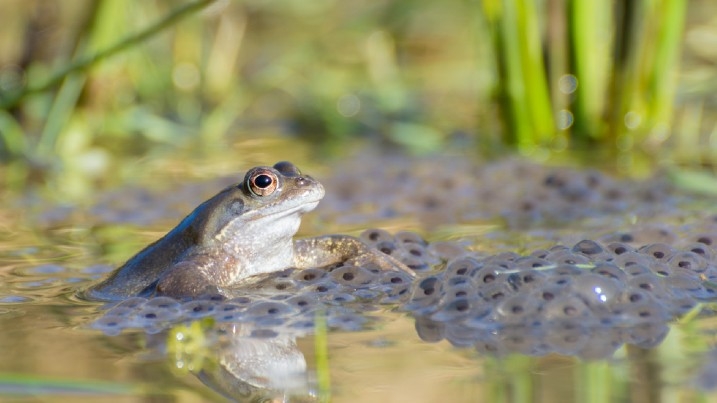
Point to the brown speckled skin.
(232, 236)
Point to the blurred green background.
(88, 87)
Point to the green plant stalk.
(662, 78)
(628, 93)
(8, 101)
(586, 61)
(534, 75)
(522, 81)
(512, 87)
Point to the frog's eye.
(262, 183)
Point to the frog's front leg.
(332, 249)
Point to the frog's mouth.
(302, 208)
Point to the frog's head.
(266, 206)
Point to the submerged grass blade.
(321, 346)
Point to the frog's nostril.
(302, 181)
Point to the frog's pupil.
(262, 181)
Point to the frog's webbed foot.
(185, 280)
(332, 249)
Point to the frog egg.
(387, 247)
(521, 339)
(567, 337)
(367, 295)
(241, 300)
(604, 341)
(416, 264)
(322, 287)
(303, 303)
(531, 262)
(567, 270)
(417, 252)
(353, 276)
(595, 289)
(495, 291)
(621, 237)
(516, 309)
(567, 257)
(162, 303)
(198, 308)
(661, 269)
(636, 270)
(610, 270)
(618, 248)
(120, 311)
(701, 249)
(657, 234)
(445, 250)
(132, 303)
(302, 324)
(540, 253)
(628, 259)
(684, 282)
(429, 330)
(408, 237)
(340, 298)
(487, 274)
(680, 304)
(461, 336)
(462, 266)
(309, 276)
(709, 239)
(646, 335)
(688, 261)
(649, 283)
(111, 325)
(527, 279)
(347, 321)
(228, 312)
(547, 292)
(427, 288)
(643, 312)
(279, 284)
(567, 308)
(374, 236)
(396, 294)
(273, 309)
(395, 278)
(504, 259)
(458, 308)
(659, 251)
(149, 316)
(588, 247)
(710, 291)
(459, 290)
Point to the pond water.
(497, 311)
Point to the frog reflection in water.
(244, 230)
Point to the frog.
(243, 232)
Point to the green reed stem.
(8, 101)
(588, 61)
(669, 22)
